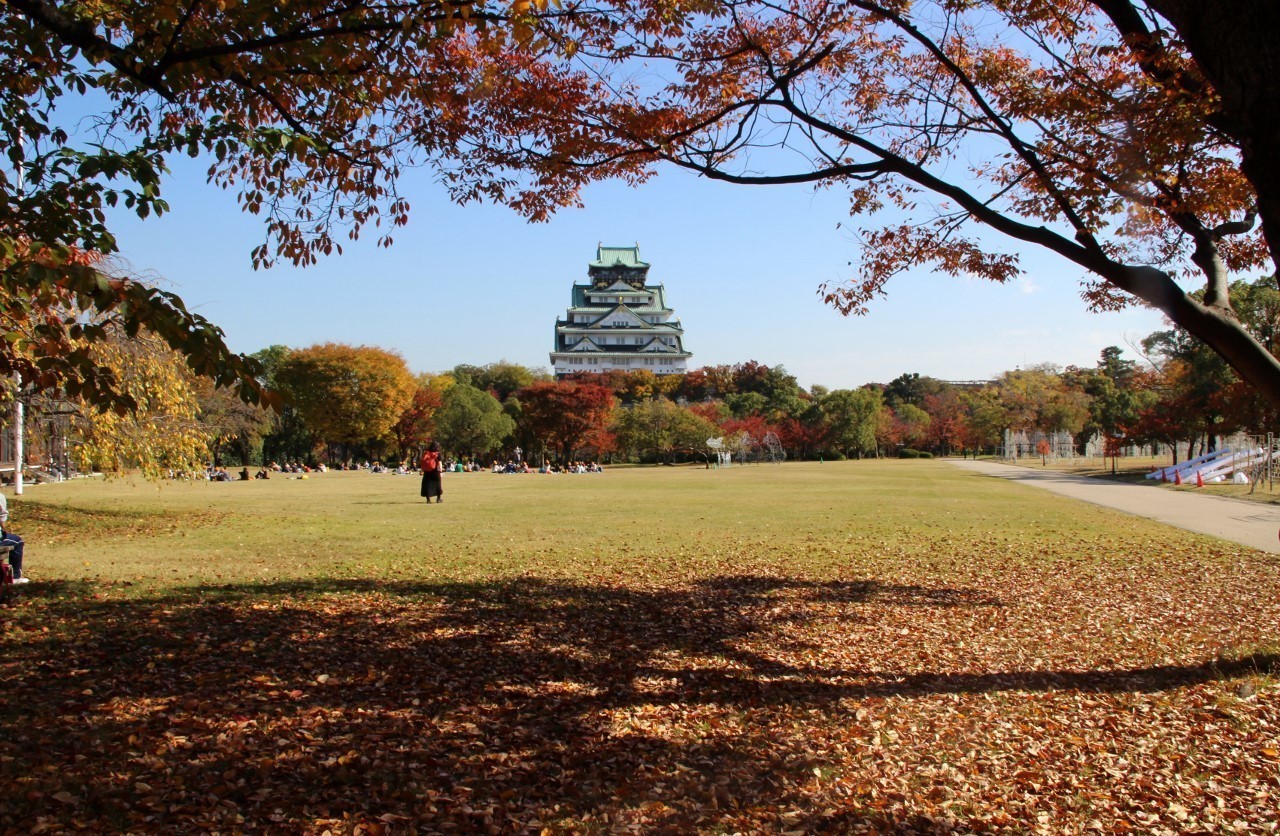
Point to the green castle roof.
(580, 291)
(618, 256)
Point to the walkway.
(1248, 523)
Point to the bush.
(908, 453)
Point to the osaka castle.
(617, 320)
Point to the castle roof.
(657, 291)
(618, 257)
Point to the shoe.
(22, 580)
(439, 499)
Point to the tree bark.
(1234, 43)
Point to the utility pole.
(19, 431)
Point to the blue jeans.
(15, 556)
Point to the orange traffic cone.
(1164, 476)
(1199, 480)
(1177, 477)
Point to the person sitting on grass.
(8, 538)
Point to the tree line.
(343, 403)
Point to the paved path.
(1249, 523)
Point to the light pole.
(19, 431)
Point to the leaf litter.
(990, 689)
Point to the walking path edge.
(1239, 521)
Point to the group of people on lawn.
(431, 468)
(220, 474)
(548, 467)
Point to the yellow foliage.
(162, 435)
(347, 393)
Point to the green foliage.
(471, 422)
(746, 404)
(1040, 398)
(987, 418)
(660, 428)
(911, 389)
(852, 416)
(231, 423)
(502, 379)
(1257, 303)
(1117, 395)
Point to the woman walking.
(430, 464)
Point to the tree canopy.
(1098, 130)
(566, 415)
(471, 421)
(309, 111)
(347, 393)
(162, 434)
(852, 416)
(660, 427)
(1132, 138)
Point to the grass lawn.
(1124, 467)
(839, 647)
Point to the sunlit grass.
(810, 518)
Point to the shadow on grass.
(55, 523)
(469, 707)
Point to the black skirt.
(431, 484)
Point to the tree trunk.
(1214, 325)
(1233, 41)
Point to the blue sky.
(741, 266)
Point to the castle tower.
(619, 321)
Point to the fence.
(1024, 444)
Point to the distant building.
(969, 384)
(619, 321)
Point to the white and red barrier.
(1187, 469)
(1221, 470)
